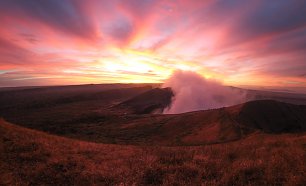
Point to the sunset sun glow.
(241, 43)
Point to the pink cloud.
(235, 40)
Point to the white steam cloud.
(193, 92)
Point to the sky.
(237, 42)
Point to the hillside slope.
(194, 128)
(273, 116)
(29, 157)
(152, 101)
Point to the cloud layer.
(256, 42)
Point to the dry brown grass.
(29, 157)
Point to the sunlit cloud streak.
(237, 42)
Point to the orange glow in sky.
(56, 42)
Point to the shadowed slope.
(273, 116)
(154, 100)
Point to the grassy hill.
(29, 157)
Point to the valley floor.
(29, 157)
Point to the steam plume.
(194, 92)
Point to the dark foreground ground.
(29, 157)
